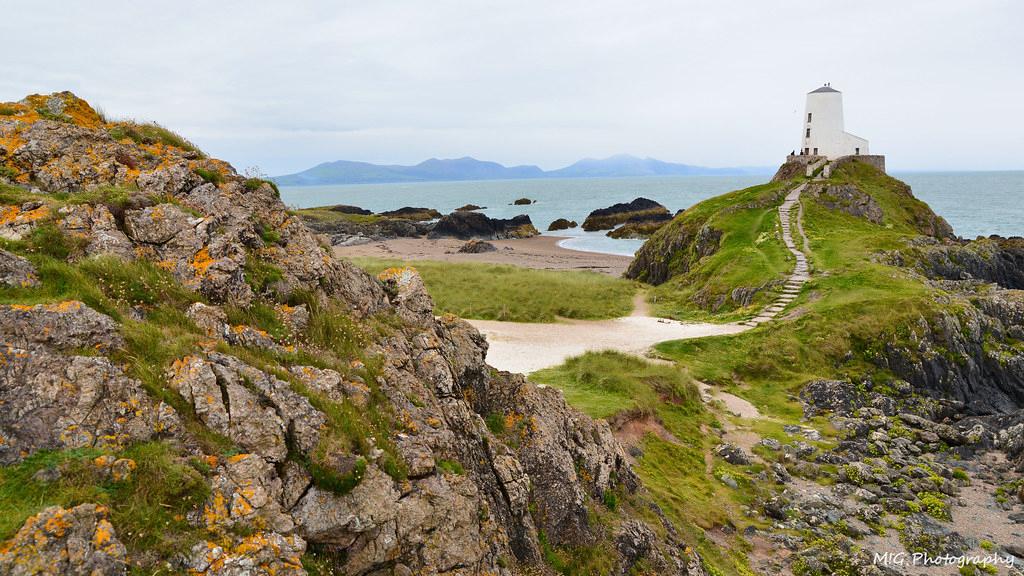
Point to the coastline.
(539, 252)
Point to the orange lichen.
(201, 261)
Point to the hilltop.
(192, 383)
(347, 172)
(906, 345)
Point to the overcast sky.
(935, 84)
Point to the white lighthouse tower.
(823, 133)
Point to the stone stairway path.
(801, 272)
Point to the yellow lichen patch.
(201, 261)
(8, 214)
(104, 534)
(66, 306)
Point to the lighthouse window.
(808, 117)
(808, 135)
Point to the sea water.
(974, 203)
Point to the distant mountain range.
(433, 170)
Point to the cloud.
(287, 85)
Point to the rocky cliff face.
(169, 334)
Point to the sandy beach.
(542, 252)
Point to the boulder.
(610, 217)
(562, 224)
(477, 247)
(74, 542)
(467, 225)
(98, 226)
(17, 222)
(16, 272)
(523, 202)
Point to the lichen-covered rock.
(261, 554)
(246, 491)
(16, 272)
(333, 385)
(95, 224)
(65, 542)
(65, 325)
(258, 411)
(16, 222)
(52, 401)
(209, 319)
(250, 337)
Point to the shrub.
(8, 111)
(450, 467)
(211, 176)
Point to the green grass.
(512, 293)
(605, 383)
(672, 465)
(325, 214)
(850, 307)
(147, 510)
(150, 133)
(750, 255)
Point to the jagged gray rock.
(16, 272)
(70, 542)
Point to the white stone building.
(823, 133)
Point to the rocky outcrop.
(994, 259)
(673, 250)
(849, 199)
(467, 225)
(469, 208)
(412, 213)
(523, 202)
(642, 226)
(341, 412)
(258, 411)
(562, 224)
(77, 542)
(608, 218)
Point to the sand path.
(527, 347)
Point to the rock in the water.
(469, 208)
(523, 202)
(641, 226)
(346, 209)
(467, 225)
(477, 247)
(67, 542)
(562, 224)
(16, 272)
(413, 213)
(608, 218)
